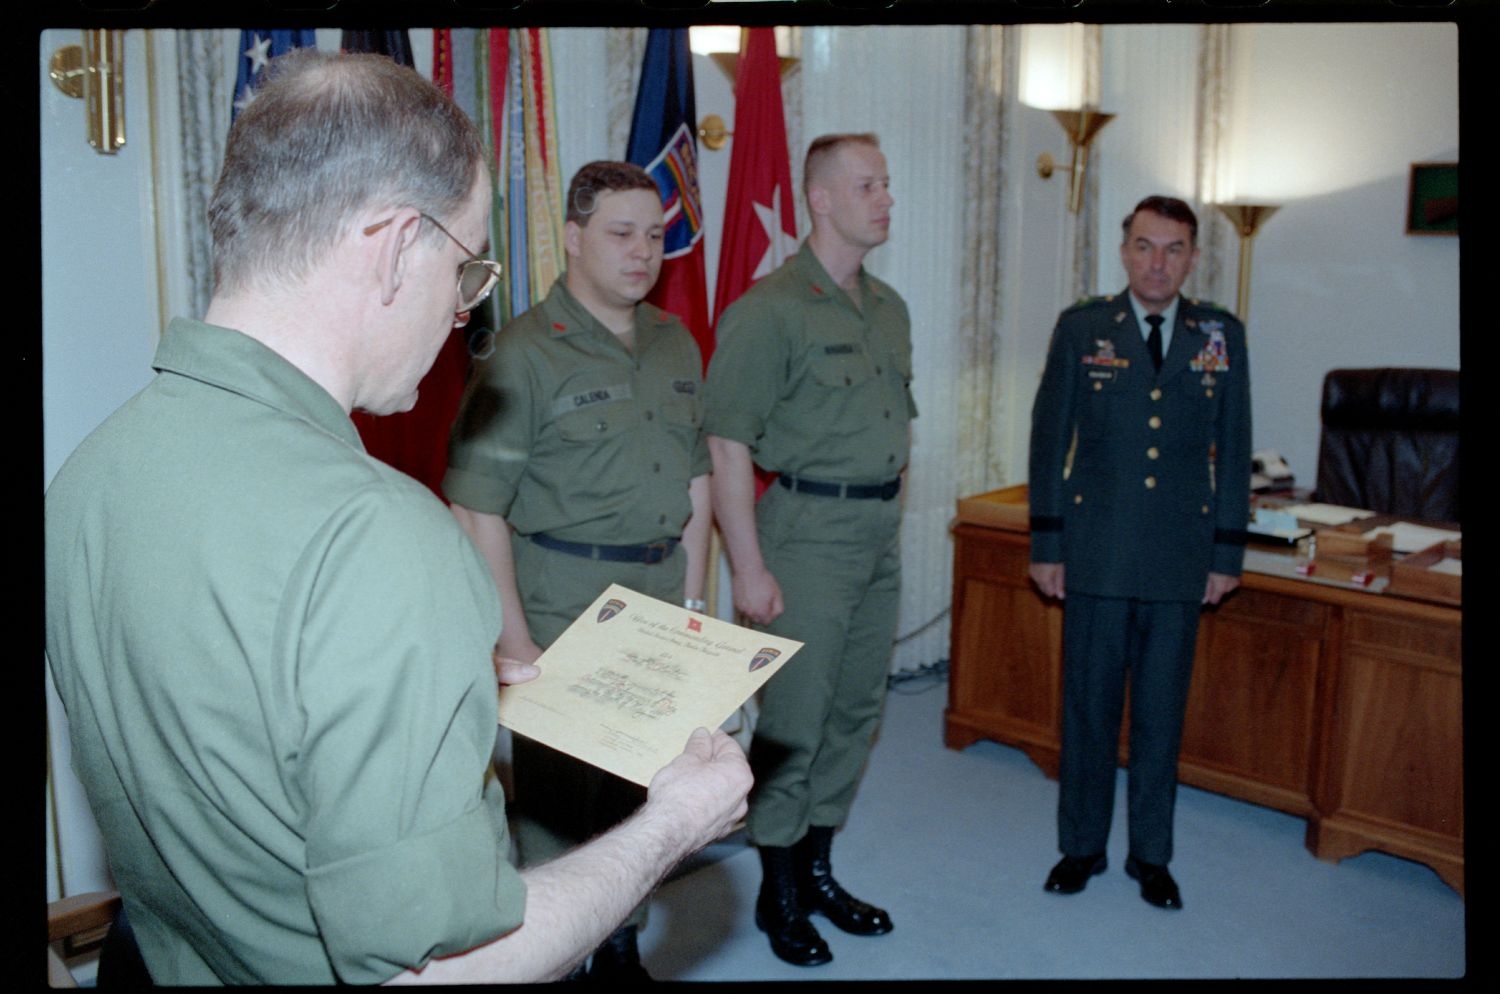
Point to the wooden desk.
(1329, 702)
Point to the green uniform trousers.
(562, 802)
(1104, 639)
(838, 562)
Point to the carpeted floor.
(956, 846)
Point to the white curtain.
(979, 454)
(205, 92)
(1216, 277)
(1179, 75)
(921, 126)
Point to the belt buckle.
(891, 489)
(655, 552)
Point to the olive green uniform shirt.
(565, 431)
(815, 386)
(820, 389)
(274, 652)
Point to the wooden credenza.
(1326, 701)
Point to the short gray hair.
(326, 137)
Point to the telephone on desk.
(1268, 471)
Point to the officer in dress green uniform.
(810, 379)
(1139, 490)
(578, 460)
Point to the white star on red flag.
(780, 245)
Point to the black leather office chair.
(1390, 442)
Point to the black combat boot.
(820, 892)
(779, 914)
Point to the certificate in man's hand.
(625, 685)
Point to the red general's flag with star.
(760, 215)
(416, 441)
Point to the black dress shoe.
(1071, 874)
(780, 915)
(820, 892)
(619, 959)
(1157, 885)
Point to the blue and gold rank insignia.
(1214, 356)
(611, 607)
(764, 657)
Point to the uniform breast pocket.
(1106, 397)
(900, 364)
(683, 410)
(597, 422)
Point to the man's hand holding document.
(627, 683)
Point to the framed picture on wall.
(1432, 199)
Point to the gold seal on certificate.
(625, 685)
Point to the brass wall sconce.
(1247, 219)
(712, 131)
(95, 73)
(1080, 126)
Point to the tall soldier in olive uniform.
(810, 380)
(1140, 494)
(577, 461)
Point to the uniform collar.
(818, 285)
(1169, 315)
(233, 361)
(566, 315)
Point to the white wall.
(99, 328)
(1330, 119)
(1037, 239)
(1326, 121)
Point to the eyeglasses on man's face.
(476, 277)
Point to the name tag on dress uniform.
(588, 398)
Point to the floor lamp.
(1247, 219)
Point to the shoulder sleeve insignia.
(1208, 304)
(1083, 302)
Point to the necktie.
(1153, 340)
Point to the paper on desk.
(1277, 523)
(1411, 538)
(625, 685)
(1327, 514)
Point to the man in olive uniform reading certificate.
(628, 680)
